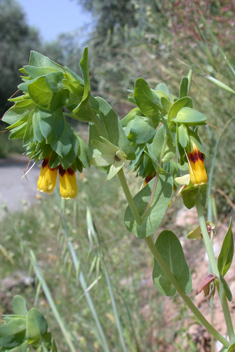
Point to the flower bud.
(68, 183)
(47, 178)
(197, 168)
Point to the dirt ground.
(16, 192)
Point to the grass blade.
(50, 300)
(91, 229)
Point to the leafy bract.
(159, 140)
(227, 251)
(147, 101)
(190, 195)
(159, 206)
(113, 128)
(142, 129)
(170, 249)
(179, 104)
(51, 124)
(190, 117)
(83, 109)
(19, 306)
(36, 326)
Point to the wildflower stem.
(129, 198)
(186, 299)
(214, 268)
(149, 205)
(163, 266)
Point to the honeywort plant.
(158, 138)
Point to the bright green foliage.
(227, 252)
(189, 196)
(25, 328)
(226, 289)
(157, 210)
(171, 251)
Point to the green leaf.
(23, 119)
(147, 101)
(35, 72)
(179, 104)
(14, 327)
(158, 143)
(226, 289)
(39, 60)
(83, 109)
(13, 340)
(36, 127)
(84, 153)
(19, 305)
(190, 195)
(48, 92)
(184, 87)
(53, 346)
(182, 135)
(51, 124)
(18, 132)
(21, 348)
(130, 116)
(54, 160)
(168, 245)
(69, 158)
(190, 117)
(63, 144)
(227, 251)
(36, 326)
(142, 130)
(29, 133)
(115, 133)
(160, 203)
(13, 115)
(161, 87)
(230, 349)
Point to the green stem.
(129, 198)
(162, 264)
(214, 268)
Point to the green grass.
(127, 261)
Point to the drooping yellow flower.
(68, 183)
(196, 165)
(47, 178)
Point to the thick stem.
(162, 264)
(214, 268)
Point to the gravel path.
(15, 191)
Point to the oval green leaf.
(168, 245)
(160, 203)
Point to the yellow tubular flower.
(68, 183)
(197, 168)
(47, 178)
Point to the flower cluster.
(47, 180)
